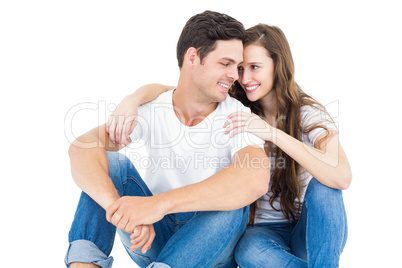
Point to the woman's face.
(256, 74)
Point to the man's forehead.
(231, 50)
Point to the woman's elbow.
(345, 180)
(346, 183)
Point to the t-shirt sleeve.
(244, 139)
(311, 116)
(142, 128)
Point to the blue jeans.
(193, 239)
(316, 239)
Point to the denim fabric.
(316, 239)
(192, 239)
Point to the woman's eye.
(254, 67)
(240, 69)
(225, 64)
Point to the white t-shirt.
(179, 155)
(309, 115)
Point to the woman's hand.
(244, 122)
(122, 121)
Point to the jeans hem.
(87, 252)
(158, 265)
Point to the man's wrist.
(164, 203)
(110, 199)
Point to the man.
(198, 211)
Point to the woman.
(301, 221)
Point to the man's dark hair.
(203, 30)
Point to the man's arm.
(236, 186)
(90, 170)
(89, 165)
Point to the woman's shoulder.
(313, 113)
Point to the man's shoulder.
(164, 99)
(156, 107)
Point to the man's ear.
(192, 56)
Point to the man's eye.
(240, 69)
(225, 64)
(254, 67)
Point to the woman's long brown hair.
(290, 98)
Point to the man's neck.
(189, 107)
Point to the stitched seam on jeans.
(131, 177)
(176, 224)
(111, 244)
(308, 261)
(168, 221)
(222, 264)
(187, 221)
(284, 250)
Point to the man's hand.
(131, 211)
(142, 237)
(135, 215)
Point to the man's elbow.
(77, 145)
(73, 149)
(85, 141)
(264, 181)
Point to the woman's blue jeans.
(193, 239)
(315, 240)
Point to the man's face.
(219, 70)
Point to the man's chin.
(222, 97)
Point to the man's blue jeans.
(315, 240)
(193, 239)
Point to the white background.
(55, 55)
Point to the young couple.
(198, 216)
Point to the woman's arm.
(122, 121)
(326, 161)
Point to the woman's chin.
(252, 97)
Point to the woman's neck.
(269, 105)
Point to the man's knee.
(117, 161)
(118, 164)
(234, 218)
(226, 225)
